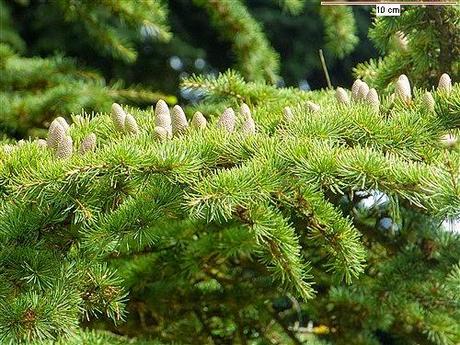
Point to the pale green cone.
(160, 133)
(88, 143)
(245, 111)
(403, 88)
(55, 134)
(355, 89)
(227, 120)
(249, 127)
(428, 101)
(118, 117)
(64, 148)
(445, 83)
(198, 121)
(163, 116)
(313, 107)
(131, 124)
(373, 99)
(449, 140)
(342, 96)
(362, 91)
(178, 120)
(41, 143)
(288, 116)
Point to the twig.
(326, 73)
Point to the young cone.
(405, 79)
(362, 91)
(403, 89)
(88, 143)
(55, 134)
(355, 89)
(179, 120)
(63, 123)
(163, 116)
(131, 124)
(227, 120)
(313, 107)
(160, 133)
(288, 116)
(245, 111)
(199, 121)
(342, 96)
(445, 83)
(249, 127)
(373, 99)
(118, 117)
(64, 148)
(428, 101)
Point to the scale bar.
(405, 3)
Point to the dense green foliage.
(196, 239)
(302, 217)
(422, 43)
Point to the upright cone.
(403, 88)
(64, 148)
(445, 83)
(160, 133)
(55, 134)
(163, 116)
(428, 101)
(178, 120)
(245, 111)
(41, 143)
(355, 89)
(199, 121)
(342, 96)
(88, 143)
(227, 120)
(373, 99)
(131, 124)
(63, 123)
(118, 117)
(449, 140)
(249, 126)
(288, 116)
(363, 90)
(313, 107)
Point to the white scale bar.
(405, 3)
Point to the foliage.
(216, 237)
(422, 43)
(35, 90)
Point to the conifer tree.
(220, 235)
(260, 215)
